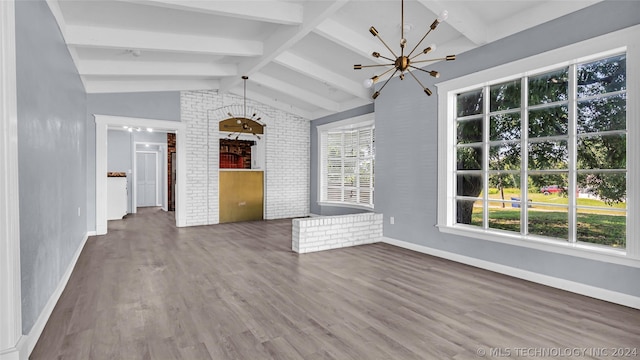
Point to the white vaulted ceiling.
(298, 54)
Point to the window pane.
(469, 212)
(505, 96)
(469, 185)
(551, 121)
(365, 180)
(597, 227)
(549, 87)
(503, 186)
(549, 188)
(351, 196)
(469, 157)
(334, 179)
(351, 144)
(551, 221)
(602, 152)
(505, 157)
(349, 172)
(609, 189)
(602, 76)
(334, 145)
(602, 114)
(334, 194)
(470, 131)
(548, 155)
(469, 103)
(505, 127)
(334, 166)
(366, 167)
(505, 216)
(366, 196)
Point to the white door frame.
(102, 124)
(12, 343)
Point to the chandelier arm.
(386, 72)
(386, 58)
(419, 42)
(387, 46)
(385, 83)
(419, 54)
(428, 60)
(426, 89)
(402, 42)
(368, 66)
(413, 75)
(423, 70)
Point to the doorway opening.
(103, 123)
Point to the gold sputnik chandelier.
(246, 124)
(404, 63)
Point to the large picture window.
(542, 155)
(515, 148)
(347, 164)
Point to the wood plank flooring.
(149, 290)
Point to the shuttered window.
(347, 169)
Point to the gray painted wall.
(52, 156)
(406, 123)
(314, 207)
(150, 105)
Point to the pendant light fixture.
(404, 63)
(245, 124)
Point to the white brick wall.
(332, 232)
(286, 161)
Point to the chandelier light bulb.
(368, 83)
(238, 122)
(443, 16)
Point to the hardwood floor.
(149, 290)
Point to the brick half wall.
(333, 232)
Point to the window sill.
(610, 255)
(347, 205)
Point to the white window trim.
(626, 40)
(351, 123)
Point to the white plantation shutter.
(347, 170)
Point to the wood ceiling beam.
(101, 37)
(320, 73)
(295, 91)
(461, 19)
(273, 103)
(97, 86)
(315, 12)
(155, 68)
(361, 43)
(277, 12)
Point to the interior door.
(146, 179)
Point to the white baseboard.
(32, 338)
(19, 352)
(91, 233)
(572, 286)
